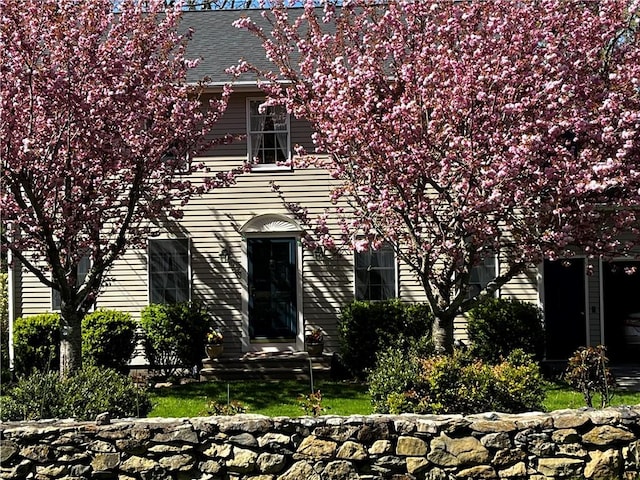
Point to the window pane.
(169, 270)
(375, 274)
(268, 133)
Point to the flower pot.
(214, 351)
(315, 349)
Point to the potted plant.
(314, 342)
(213, 346)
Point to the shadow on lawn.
(261, 395)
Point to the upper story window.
(481, 275)
(268, 136)
(83, 268)
(375, 274)
(169, 276)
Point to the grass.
(280, 398)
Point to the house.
(239, 250)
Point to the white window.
(268, 135)
(481, 275)
(375, 274)
(83, 268)
(169, 277)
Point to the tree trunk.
(70, 342)
(442, 333)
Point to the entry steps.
(266, 366)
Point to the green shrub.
(175, 335)
(396, 372)
(108, 339)
(458, 383)
(498, 326)
(4, 330)
(82, 396)
(588, 373)
(36, 341)
(366, 328)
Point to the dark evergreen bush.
(82, 396)
(175, 335)
(36, 343)
(366, 328)
(498, 326)
(108, 339)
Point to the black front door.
(272, 288)
(621, 295)
(564, 307)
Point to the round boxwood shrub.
(36, 343)
(366, 328)
(175, 335)
(108, 339)
(498, 326)
(82, 396)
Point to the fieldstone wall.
(592, 444)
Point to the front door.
(621, 295)
(564, 307)
(272, 289)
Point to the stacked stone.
(591, 444)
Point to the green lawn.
(277, 398)
(280, 398)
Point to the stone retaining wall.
(592, 444)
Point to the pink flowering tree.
(97, 125)
(462, 130)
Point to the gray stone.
(37, 453)
(560, 467)
(339, 433)
(164, 448)
(244, 440)
(316, 448)
(381, 447)
(565, 435)
(416, 465)
(607, 435)
(571, 450)
(218, 451)
(490, 426)
(352, 451)
(519, 470)
(135, 464)
(454, 452)
(271, 462)
(479, 472)
(103, 447)
(300, 471)
(105, 461)
(436, 474)
(496, 440)
(569, 419)
(274, 439)
(378, 430)
(606, 416)
(242, 461)
(177, 462)
(508, 456)
(184, 434)
(339, 470)
(411, 447)
(52, 470)
(603, 465)
(80, 470)
(7, 451)
(245, 423)
(210, 466)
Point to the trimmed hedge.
(498, 326)
(36, 343)
(108, 339)
(366, 328)
(175, 335)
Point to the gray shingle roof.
(220, 45)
